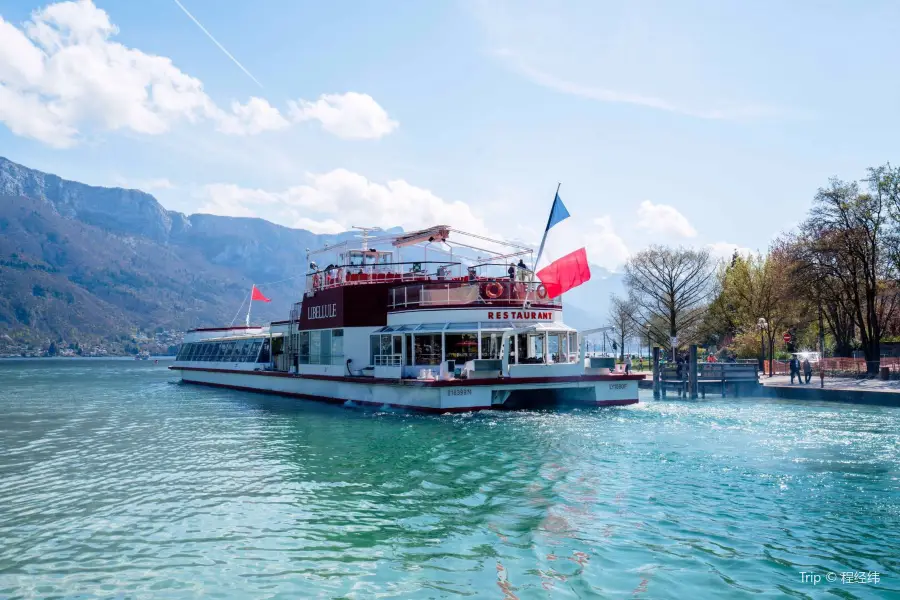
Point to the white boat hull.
(431, 396)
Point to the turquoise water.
(117, 482)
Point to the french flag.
(561, 264)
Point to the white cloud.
(664, 220)
(61, 73)
(254, 117)
(337, 200)
(351, 115)
(604, 246)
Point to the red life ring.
(541, 291)
(493, 290)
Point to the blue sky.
(685, 123)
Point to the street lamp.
(762, 325)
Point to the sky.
(707, 124)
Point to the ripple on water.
(118, 482)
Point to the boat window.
(573, 345)
(386, 350)
(325, 347)
(461, 347)
(337, 346)
(428, 349)
(553, 347)
(264, 355)
(491, 344)
(407, 328)
(303, 347)
(356, 258)
(431, 327)
(409, 349)
(530, 348)
(315, 347)
(388, 329)
(254, 351)
(374, 347)
(462, 326)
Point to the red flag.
(258, 295)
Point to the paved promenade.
(835, 383)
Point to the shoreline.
(111, 357)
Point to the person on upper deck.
(523, 271)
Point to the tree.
(622, 314)
(671, 286)
(852, 237)
(758, 287)
(813, 278)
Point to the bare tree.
(671, 285)
(812, 278)
(623, 320)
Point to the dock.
(834, 389)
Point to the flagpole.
(249, 306)
(547, 228)
(543, 239)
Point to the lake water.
(115, 481)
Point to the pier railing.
(841, 367)
(720, 377)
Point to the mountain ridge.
(96, 265)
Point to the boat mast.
(249, 305)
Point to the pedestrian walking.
(794, 365)
(807, 370)
(628, 364)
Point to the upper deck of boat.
(416, 289)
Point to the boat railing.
(387, 360)
(399, 272)
(478, 291)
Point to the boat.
(144, 355)
(441, 332)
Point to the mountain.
(95, 265)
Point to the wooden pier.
(695, 380)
